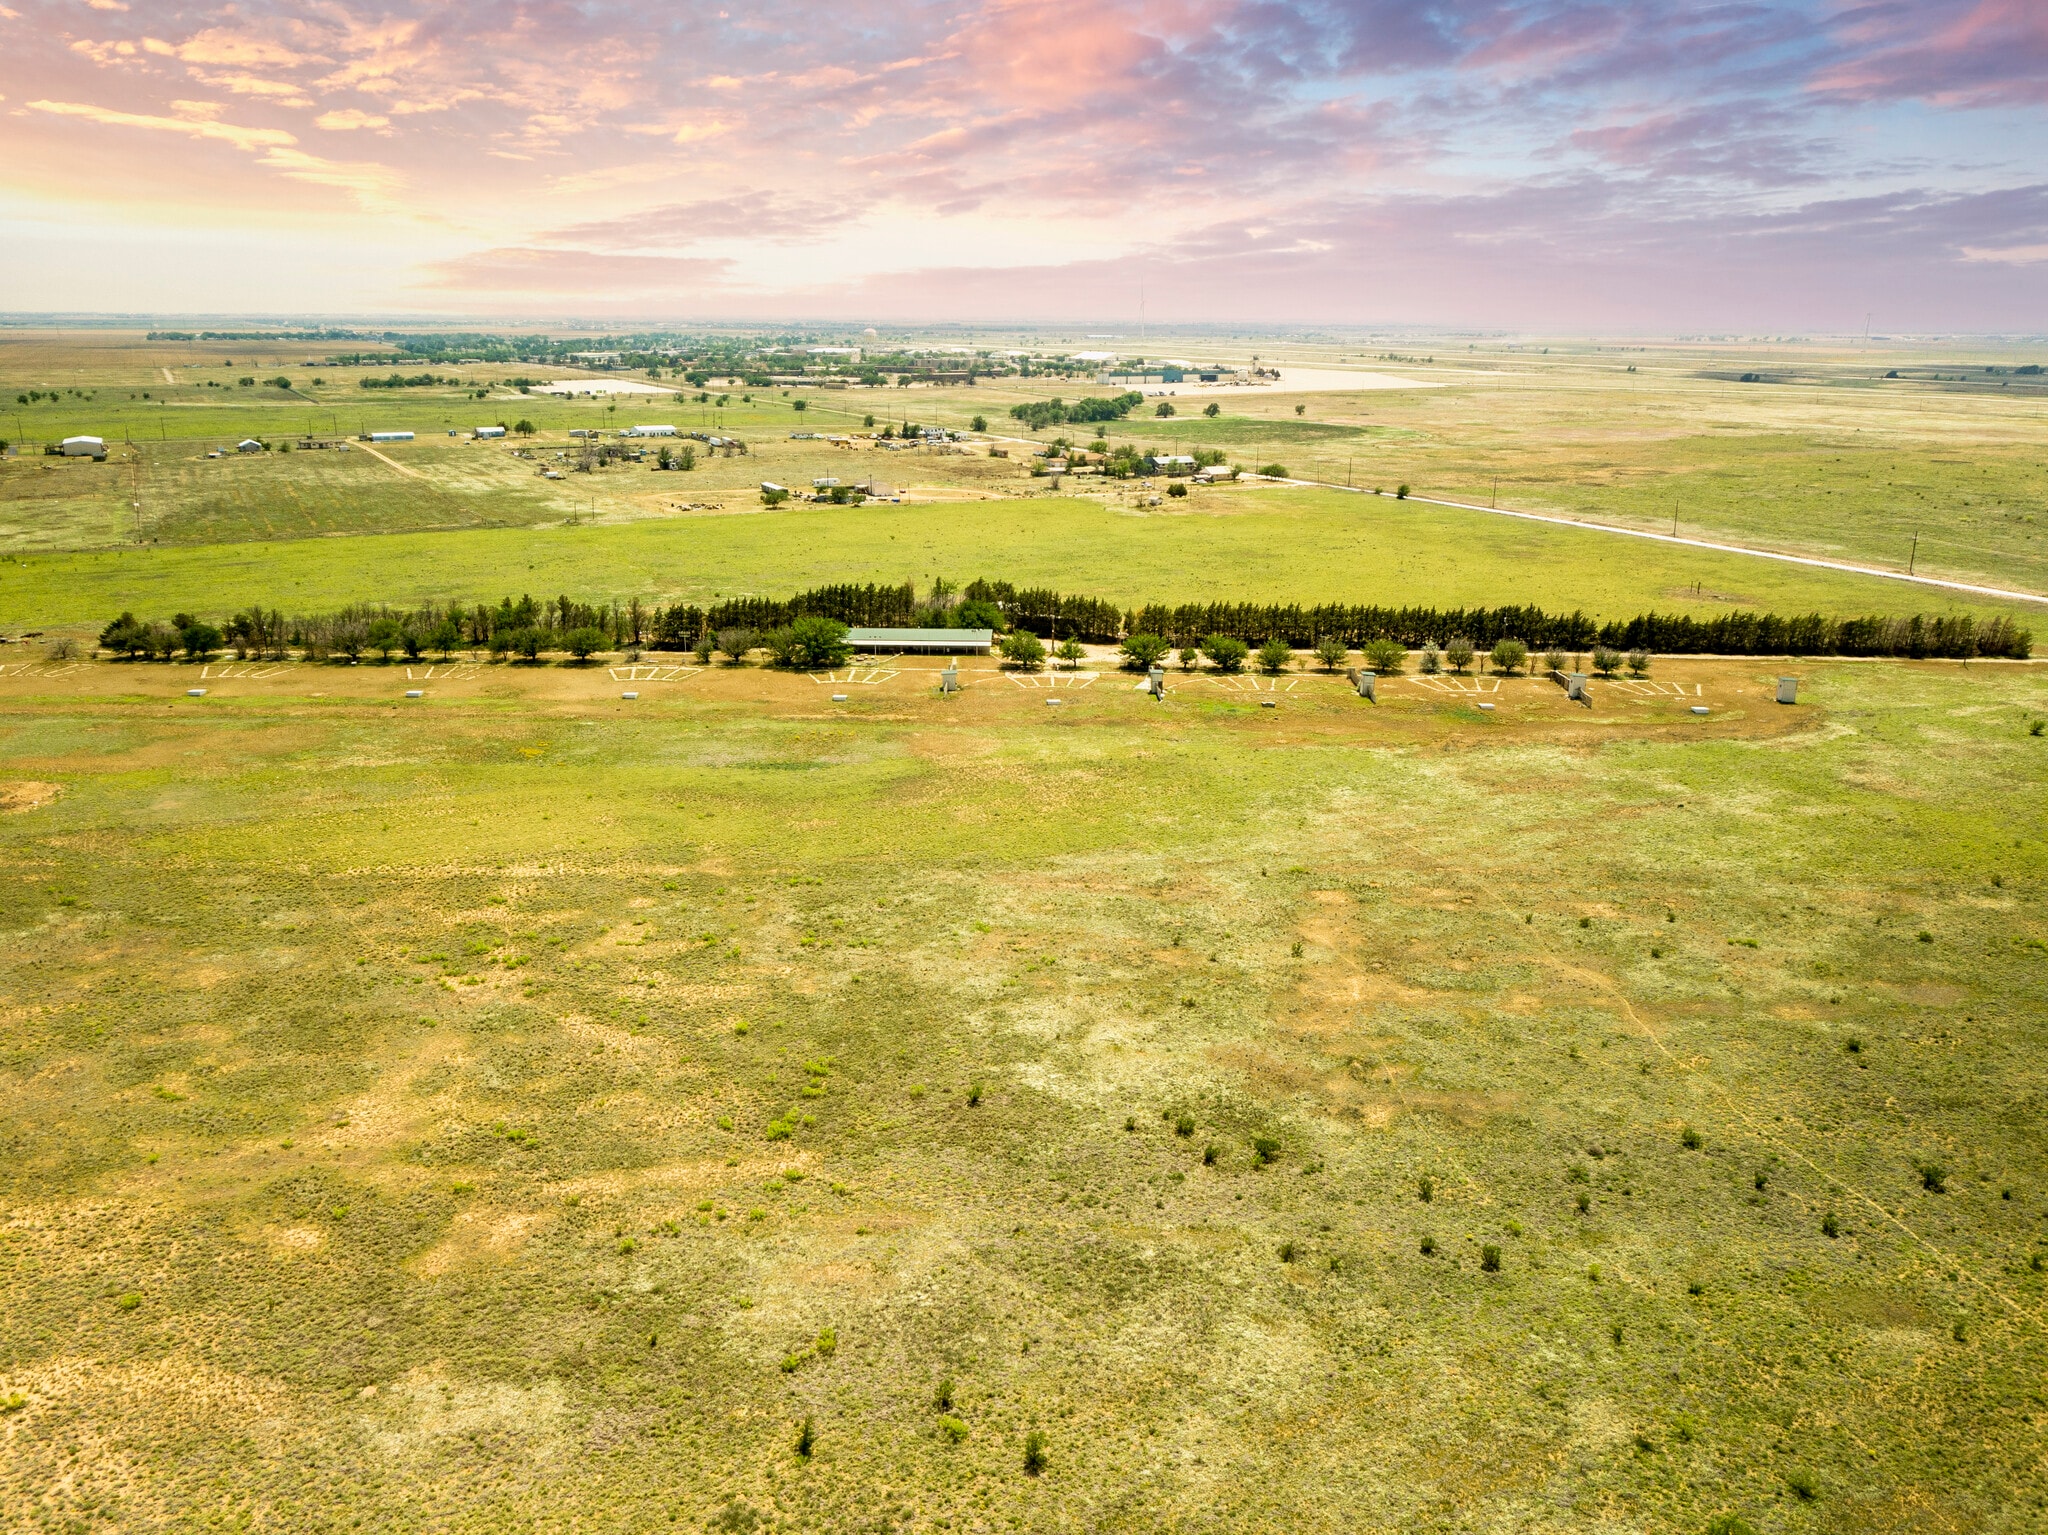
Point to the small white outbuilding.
(83, 447)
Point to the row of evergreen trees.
(528, 625)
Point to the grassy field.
(522, 1109)
(1272, 543)
(1822, 455)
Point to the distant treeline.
(527, 623)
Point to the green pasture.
(1271, 544)
(509, 1111)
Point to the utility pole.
(1913, 558)
(1674, 516)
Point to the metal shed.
(929, 642)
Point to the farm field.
(524, 1107)
(1230, 543)
(1820, 455)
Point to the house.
(490, 431)
(826, 482)
(83, 447)
(649, 431)
(248, 445)
(1173, 463)
(929, 642)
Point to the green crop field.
(521, 1108)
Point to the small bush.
(1177, 489)
(1265, 1150)
(1034, 1453)
(1287, 1252)
(1276, 472)
(1555, 660)
(129, 1301)
(942, 1395)
(1388, 657)
(1184, 1126)
(1933, 1177)
(1728, 1524)
(1431, 662)
(974, 1095)
(1331, 652)
(1401, 494)
(1226, 651)
(1689, 1138)
(1425, 1188)
(1428, 1246)
(1695, 1287)
(952, 1430)
(807, 1438)
(1585, 1202)
(1829, 1226)
(1489, 1259)
(1802, 1485)
(1639, 662)
(1210, 1153)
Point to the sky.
(1635, 166)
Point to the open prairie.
(523, 1106)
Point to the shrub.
(1331, 651)
(1606, 662)
(1509, 655)
(1428, 1247)
(978, 424)
(1265, 1150)
(1432, 660)
(1212, 411)
(1190, 656)
(1072, 651)
(952, 1429)
(1402, 493)
(816, 641)
(1163, 408)
(1184, 1126)
(1728, 1524)
(1226, 651)
(1425, 1189)
(1459, 652)
(704, 648)
(1022, 648)
(1287, 1252)
(734, 644)
(584, 642)
(1639, 662)
(1034, 1453)
(1802, 1485)
(807, 1438)
(942, 1395)
(1933, 1177)
(1145, 650)
(1689, 1138)
(1210, 1153)
(1276, 472)
(1275, 654)
(1489, 1259)
(1584, 1201)
(1387, 657)
(1177, 488)
(129, 1301)
(1829, 1226)
(1555, 660)
(974, 1095)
